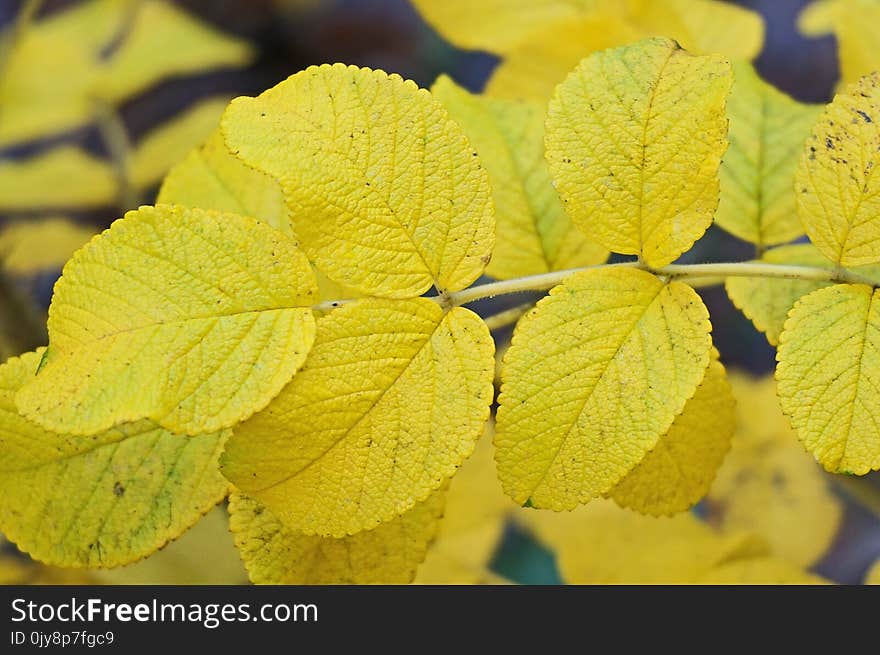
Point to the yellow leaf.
(20, 571)
(103, 500)
(767, 133)
(101, 50)
(872, 577)
(531, 70)
(594, 376)
(473, 523)
(441, 567)
(829, 373)
(211, 178)
(69, 177)
(818, 17)
(677, 473)
(164, 40)
(169, 143)
(767, 302)
(500, 25)
(603, 544)
(387, 406)
(533, 233)
(174, 315)
(760, 571)
(768, 484)
(204, 555)
(646, 187)
(63, 177)
(854, 24)
(702, 25)
(28, 247)
(837, 189)
(46, 78)
(387, 554)
(387, 195)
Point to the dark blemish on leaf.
(864, 116)
(118, 489)
(829, 143)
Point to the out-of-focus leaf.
(854, 24)
(169, 143)
(769, 485)
(28, 247)
(102, 51)
(204, 555)
(61, 178)
(473, 523)
(603, 544)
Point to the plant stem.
(702, 272)
(538, 282)
(115, 138)
(765, 270)
(508, 316)
(22, 23)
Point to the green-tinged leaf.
(593, 378)
(191, 318)
(533, 233)
(767, 133)
(828, 375)
(211, 178)
(103, 500)
(387, 554)
(387, 406)
(387, 194)
(767, 302)
(645, 187)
